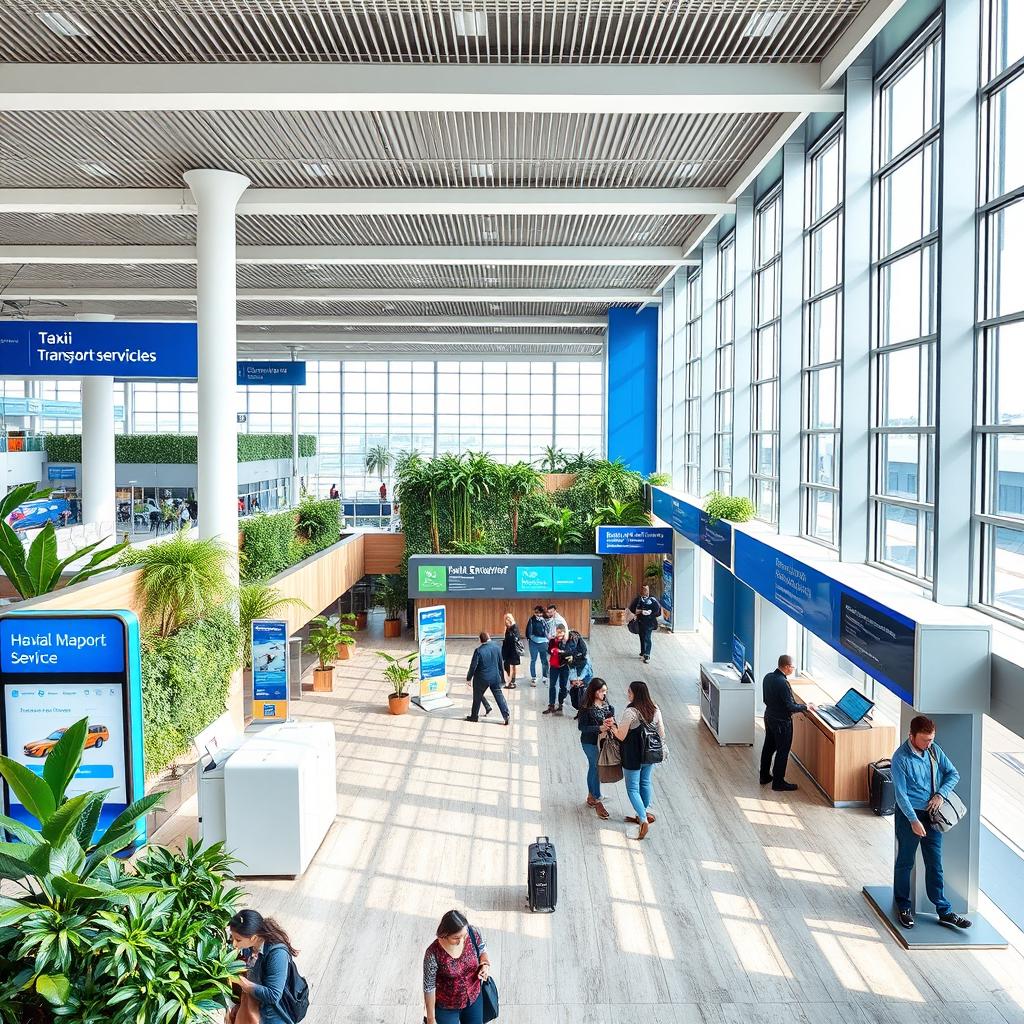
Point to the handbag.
(633, 626)
(609, 759)
(952, 809)
(488, 988)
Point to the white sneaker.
(533, 682)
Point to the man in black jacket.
(646, 610)
(487, 673)
(779, 708)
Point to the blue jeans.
(906, 853)
(638, 789)
(472, 1014)
(645, 641)
(558, 679)
(538, 651)
(593, 779)
(587, 674)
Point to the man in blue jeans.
(914, 765)
(538, 632)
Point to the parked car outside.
(32, 514)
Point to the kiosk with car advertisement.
(57, 668)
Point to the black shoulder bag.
(488, 988)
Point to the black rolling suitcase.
(881, 793)
(542, 876)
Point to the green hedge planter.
(275, 541)
(179, 450)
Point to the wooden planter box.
(392, 628)
(323, 680)
(345, 652)
(616, 616)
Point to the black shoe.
(558, 710)
(906, 918)
(487, 710)
(954, 920)
(549, 710)
(647, 658)
(506, 721)
(784, 787)
(470, 718)
(764, 781)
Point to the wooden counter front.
(837, 759)
(466, 618)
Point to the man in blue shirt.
(913, 767)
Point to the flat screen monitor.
(855, 704)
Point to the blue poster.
(60, 472)
(431, 630)
(534, 579)
(634, 540)
(269, 669)
(572, 579)
(667, 590)
(84, 349)
(273, 372)
(877, 639)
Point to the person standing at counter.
(779, 708)
(922, 777)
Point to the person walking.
(538, 633)
(637, 775)
(646, 610)
(779, 708)
(486, 672)
(922, 777)
(558, 672)
(454, 966)
(268, 952)
(596, 718)
(511, 651)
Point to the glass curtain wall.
(905, 194)
(693, 383)
(823, 341)
(764, 374)
(999, 522)
(166, 408)
(725, 325)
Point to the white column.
(217, 194)
(296, 494)
(98, 452)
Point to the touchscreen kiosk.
(57, 668)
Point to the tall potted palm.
(323, 641)
(520, 480)
(392, 594)
(399, 671)
(617, 579)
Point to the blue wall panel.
(632, 411)
(722, 623)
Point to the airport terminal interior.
(375, 376)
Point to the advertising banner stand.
(270, 695)
(432, 633)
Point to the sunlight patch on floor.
(752, 939)
(804, 866)
(769, 812)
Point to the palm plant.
(578, 462)
(392, 594)
(621, 513)
(616, 581)
(611, 480)
(553, 459)
(399, 671)
(39, 571)
(418, 480)
(260, 601)
(519, 481)
(561, 529)
(181, 580)
(378, 460)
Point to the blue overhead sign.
(694, 524)
(274, 372)
(875, 638)
(85, 349)
(634, 540)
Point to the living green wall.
(178, 449)
(271, 542)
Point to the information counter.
(837, 759)
(726, 704)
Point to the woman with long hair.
(454, 966)
(268, 953)
(636, 774)
(511, 651)
(596, 717)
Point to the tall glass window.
(905, 194)
(692, 401)
(171, 408)
(823, 341)
(725, 327)
(764, 370)
(1000, 400)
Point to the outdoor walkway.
(742, 906)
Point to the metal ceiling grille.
(437, 349)
(300, 149)
(420, 307)
(298, 334)
(427, 31)
(95, 229)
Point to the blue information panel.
(667, 590)
(269, 670)
(60, 472)
(504, 576)
(634, 540)
(572, 579)
(273, 372)
(115, 349)
(534, 579)
(875, 638)
(56, 669)
(695, 525)
(432, 634)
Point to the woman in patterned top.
(454, 965)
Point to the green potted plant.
(399, 672)
(392, 594)
(346, 623)
(653, 576)
(725, 506)
(616, 581)
(323, 641)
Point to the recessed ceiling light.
(469, 24)
(63, 24)
(481, 170)
(97, 170)
(318, 170)
(688, 170)
(763, 24)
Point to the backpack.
(652, 749)
(295, 997)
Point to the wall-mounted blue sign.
(47, 407)
(504, 576)
(634, 540)
(875, 638)
(60, 472)
(694, 524)
(85, 349)
(273, 372)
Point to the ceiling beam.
(874, 16)
(625, 202)
(284, 339)
(358, 255)
(493, 320)
(616, 89)
(129, 294)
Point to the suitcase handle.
(543, 839)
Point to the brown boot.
(644, 829)
(591, 802)
(549, 710)
(601, 812)
(634, 820)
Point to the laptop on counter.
(846, 712)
